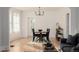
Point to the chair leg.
(44, 38)
(48, 39)
(33, 38)
(37, 39)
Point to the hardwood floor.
(26, 45)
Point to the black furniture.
(70, 44)
(48, 47)
(35, 34)
(48, 31)
(47, 35)
(40, 35)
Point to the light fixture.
(39, 12)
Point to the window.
(14, 22)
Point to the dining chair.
(34, 34)
(47, 35)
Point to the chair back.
(33, 31)
(48, 31)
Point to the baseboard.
(4, 49)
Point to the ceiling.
(36, 8)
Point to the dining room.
(38, 25)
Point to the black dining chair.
(47, 35)
(34, 34)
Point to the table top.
(43, 32)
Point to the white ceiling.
(36, 8)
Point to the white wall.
(74, 20)
(4, 28)
(47, 21)
(24, 25)
(77, 20)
